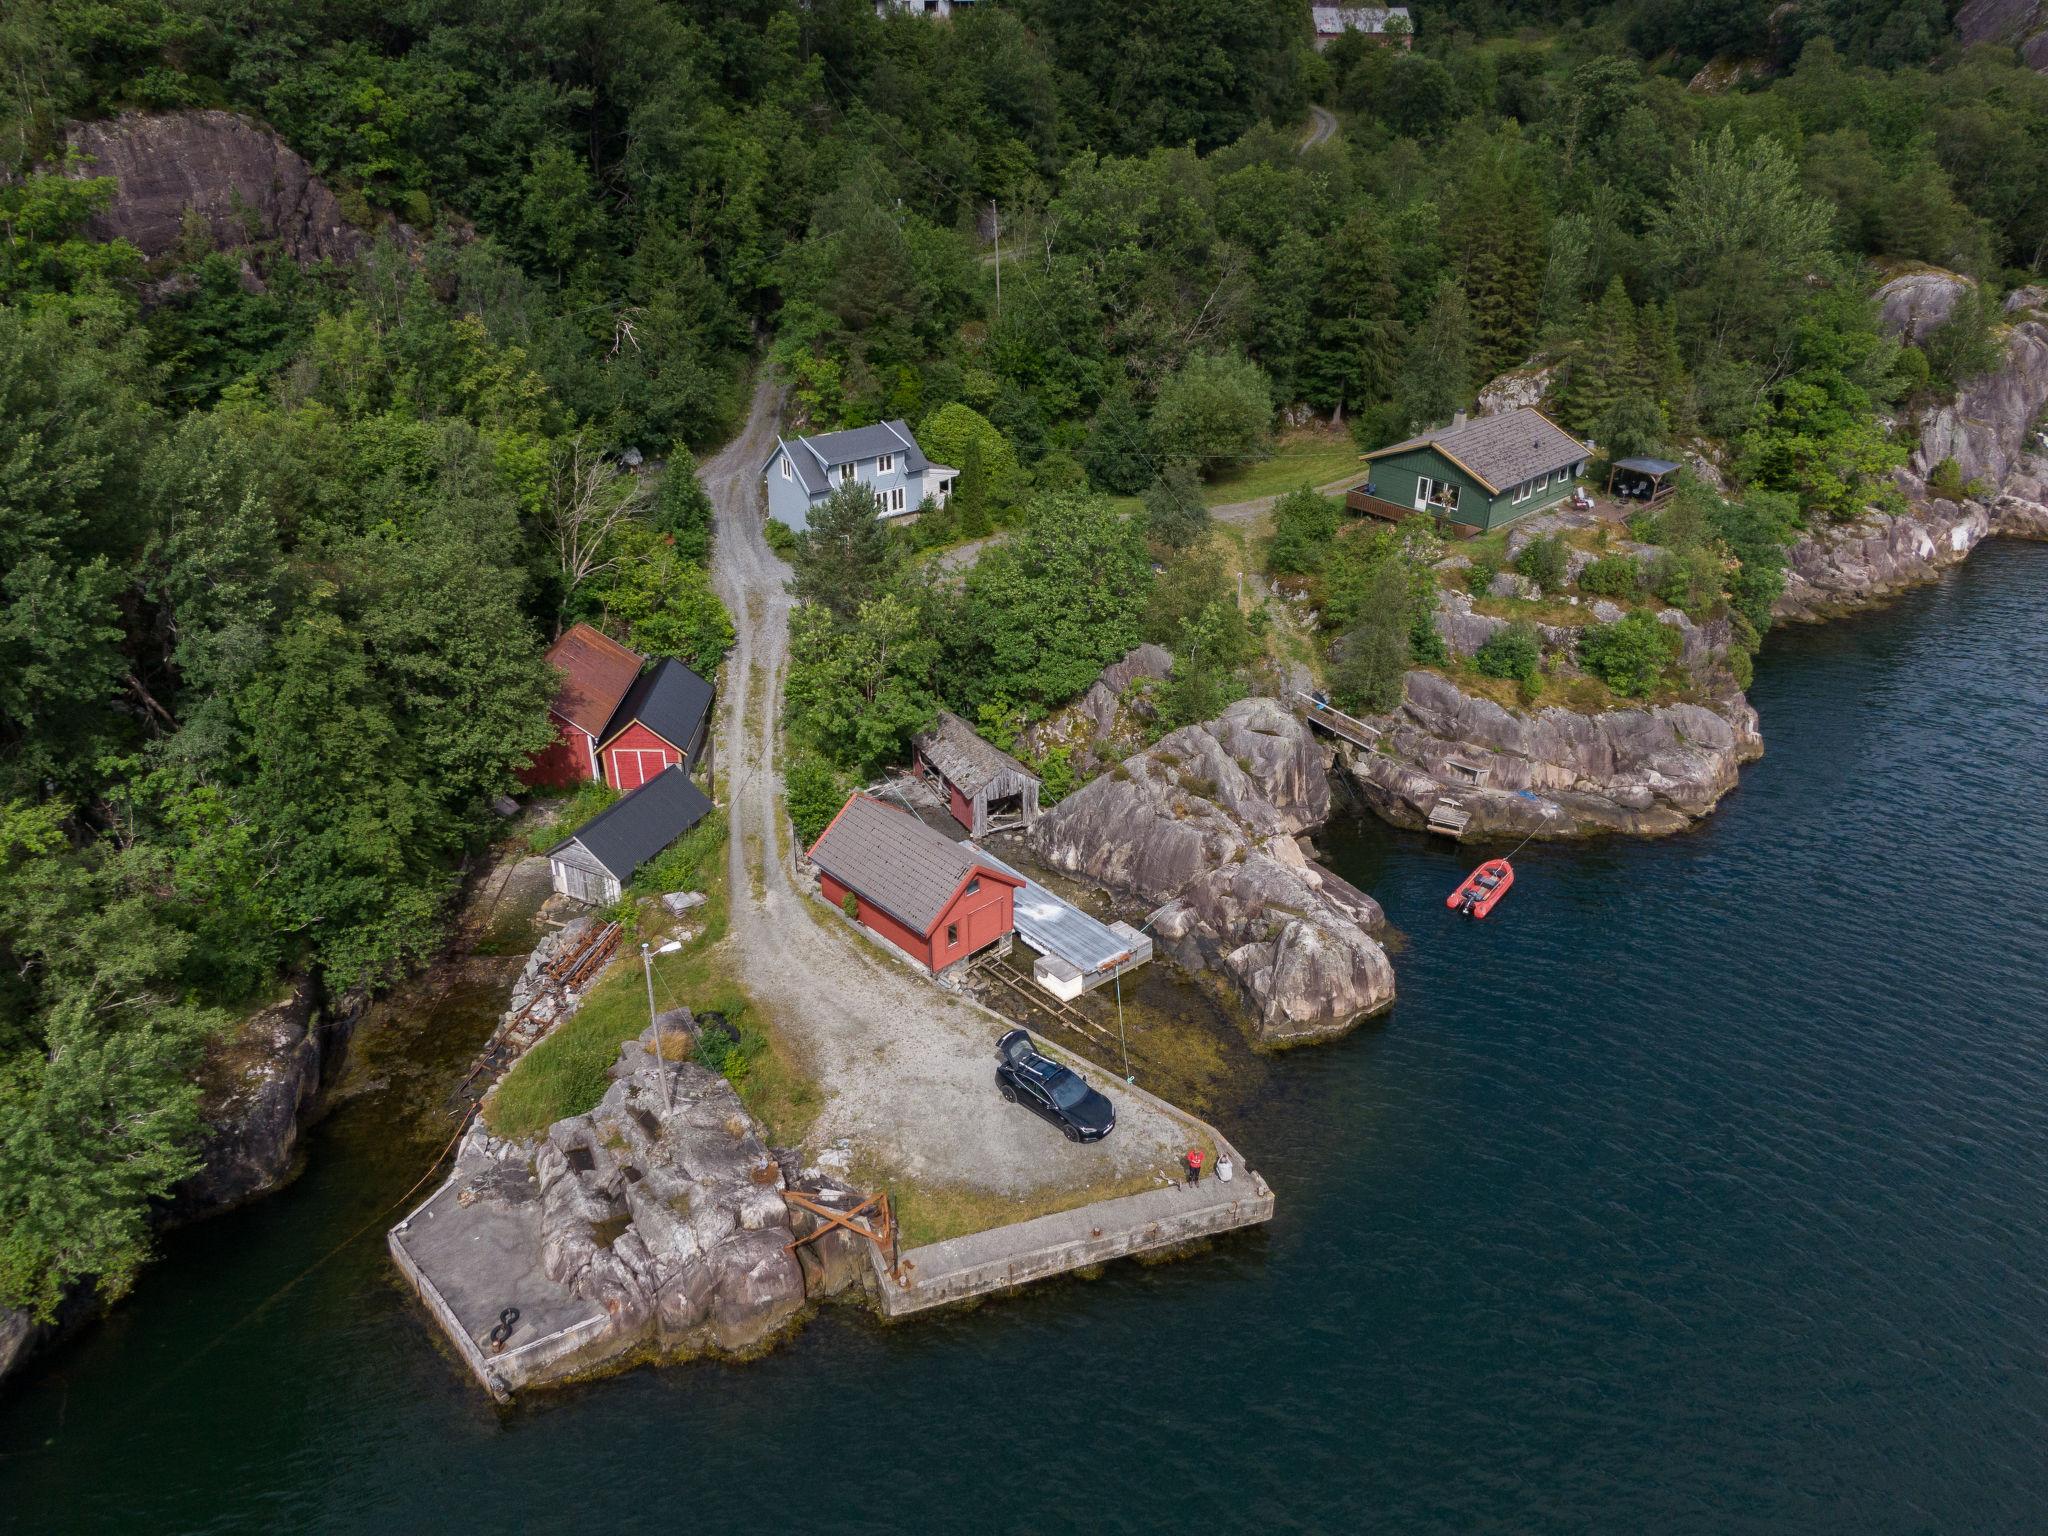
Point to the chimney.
(1457, 420)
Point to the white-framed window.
(892, 499)
(1442, 495)
(846, 474)
(786, 471)
(885, 463)
(1523, 490)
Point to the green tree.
(1304, 525)
(1355, 350)
(1175, 514)
(1118, 451)
(846, 555)
(859, 691)
(1436, 374)
(954, 434)
(682, 511)
(1050, 607)
(1215, 412)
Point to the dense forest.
(281, 546)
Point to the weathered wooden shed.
(594, 865)
(987, 789)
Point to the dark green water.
(1700, 1189)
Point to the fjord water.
(1702, 1188)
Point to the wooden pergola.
(1651, 479)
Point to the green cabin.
(1475, 474)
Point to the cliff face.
(2021, 24)
(1988, 429)
(1552, 772)
(1205, 824)
(236, 175)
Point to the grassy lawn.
(1300, 458)
(931, 1213)
(567, 1073)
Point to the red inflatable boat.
(1483, 888)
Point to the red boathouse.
(663, 721)
(597, 672)
(934, 899)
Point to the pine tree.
(1602, 365)
(1436, 372)
(1351, 355)
(1500, 240)
(970, 496)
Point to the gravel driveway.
(909, 1070)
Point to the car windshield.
(1068, 1090)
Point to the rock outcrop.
(259, 1087)
(2021, 24)
(1846, 566)
(1552, 772)
(1915, 303)
(1986, 429)
(1204, 824)
(1518, 387)
(238, 176)
(665, 1208)
(1106, 722)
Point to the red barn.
(597, 672)
(664, 720)
(936, 900)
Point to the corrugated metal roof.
(596, 672)
(669, 699)
(625, 835)
(966, 760)
(1054, 926)
(895, 861)
(1646, 466)
(1501, 450)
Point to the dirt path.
(910, 1071)
(1251, 511)
(1322, 127)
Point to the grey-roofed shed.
(672, 701)
(988, 790)
(594, 865)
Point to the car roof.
(1041, 1067)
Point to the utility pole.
(660, 1035)
(997, 214)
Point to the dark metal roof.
(669, 699)
(1500, 451)
(897, 862)
(815, 456)
(628, 833)
(964, 759)
(596, 673)
(1646, 466)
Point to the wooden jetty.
(1329, 717)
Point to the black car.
(1048, 1089)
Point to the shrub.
(1512, 652)
(1547, 562)
(1612, 576)
(850, 905)
(1630, 654)
(1479, 575)
(1303, 526)
(812, 791)
(1056, 776)
(781, 538)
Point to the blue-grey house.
(885, 458)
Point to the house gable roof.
(963, 758)
(596, 672)
(669, 699)
(894, 860)
(813, 457)
(1500, 451)
(633, 829)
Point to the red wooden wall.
(636, 755)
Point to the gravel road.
(909, 1070)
